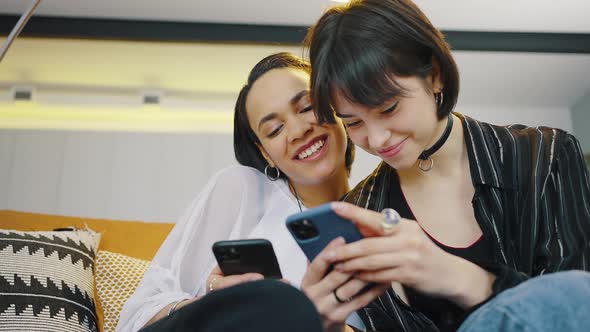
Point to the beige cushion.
(117, 277)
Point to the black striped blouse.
(532, 198)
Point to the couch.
(138, 240)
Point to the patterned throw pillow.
(46, 280)
(117, 277)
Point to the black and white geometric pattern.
(47, 281)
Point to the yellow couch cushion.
(132, 238)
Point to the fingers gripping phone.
(246, 256)
(315, 228)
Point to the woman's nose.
(377, 137)
(298, 128)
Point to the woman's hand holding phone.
(217, 280)
(405, 254)
(241, 261)
(324, 289)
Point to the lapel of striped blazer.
(387, 312)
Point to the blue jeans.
(552, 302)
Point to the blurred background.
(123, 109)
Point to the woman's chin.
(401, 164)
(316, 175)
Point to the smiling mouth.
(392, 150)
(313, 149)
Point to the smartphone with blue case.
(313, 229)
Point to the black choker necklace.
(426, 155)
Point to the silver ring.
(390, 219)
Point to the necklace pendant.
(426, 167)
(426, 162)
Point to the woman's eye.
(306, 109)
(353, 124)
(275, 132)
(391, 109)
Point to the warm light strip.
(141, 119)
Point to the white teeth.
(311, 150)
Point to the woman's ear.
(435, 77)
(265, 155)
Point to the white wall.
(139, 176)
(581, 122)
(148, 176)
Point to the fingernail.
(330, 255)
(335, 242)
(338, 206)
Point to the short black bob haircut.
(359, 48)
(245, 149)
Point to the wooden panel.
(184, 171)
(6, 157)
(87, 170)
(134, 185)
(36, 171)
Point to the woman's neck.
(447, 160)
(332, 189)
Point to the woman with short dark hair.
(483, 208)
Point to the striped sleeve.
(564, 242)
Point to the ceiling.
(487, 78)
(556, 80)
(486, 15)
